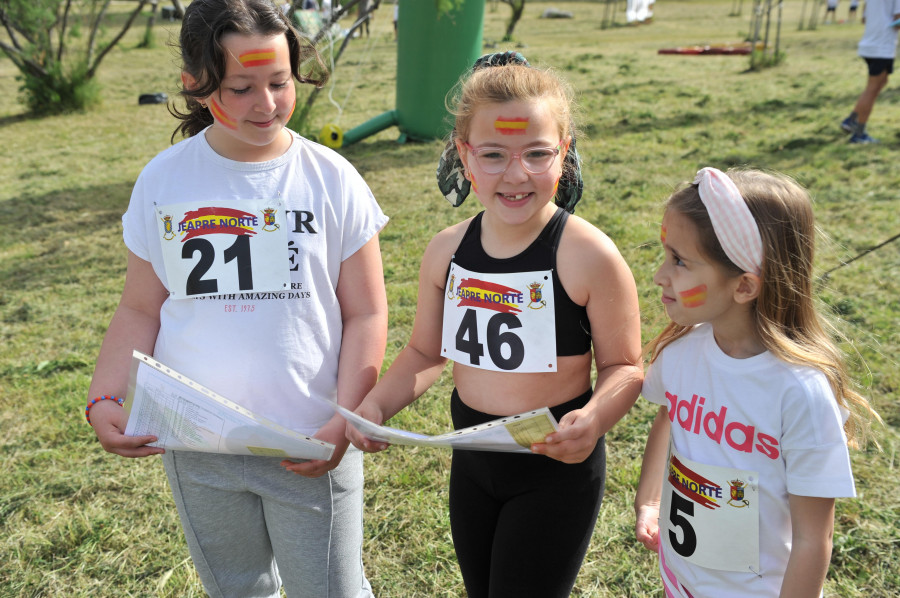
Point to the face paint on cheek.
(511, 126)
(662, 234)
(220, 115)
(291, 113)
(555, 186)
(693, 297)
(474, 184)
(257, 57)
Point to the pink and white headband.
(731, 219)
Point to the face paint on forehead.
(220, 115)
(511, 126)
(257, 57)
(694, 297)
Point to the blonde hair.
(510, 83)
(784, 313)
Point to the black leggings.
(522, 523)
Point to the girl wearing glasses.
(521, 298)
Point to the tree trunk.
(154, 4)
(518, 7)
(179, 8)
(92, 66)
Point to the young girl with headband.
(749, 449)
(521, 523)
(282, 305)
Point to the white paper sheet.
(513, 434)
(184, 415)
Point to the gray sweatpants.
(241, 515)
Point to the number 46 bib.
(502, 322)
(224, 247)
(709, 515)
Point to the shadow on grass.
(644, 95)
(63, 237)
(385, 154)
(61, 212)
(12, 119)
(822, 135)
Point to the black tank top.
(573, 329)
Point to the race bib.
(709, 515)
(236, 247)
(501, 322)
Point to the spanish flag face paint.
(255, 99)
(257, 57)
(220, 115)
(511, 126)
(509, 191)
(694, 297)
(292, 111)
(662, 234)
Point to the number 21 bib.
(504, 322)
(224, 247)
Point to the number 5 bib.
(234, 247)
(709, 515)
(502, 322)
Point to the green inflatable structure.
(433, 52)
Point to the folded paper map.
(513, 434)
(186, 416)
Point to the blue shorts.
(878, 66)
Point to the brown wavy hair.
(204, 58)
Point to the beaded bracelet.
(87, 410)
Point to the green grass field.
(76, 521)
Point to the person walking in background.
(878, 47)
(830, 9)
(851, 12)
(303, 319)
(748, 450)
(364, 12)
(395, 16)
(638, 11)
(521, 523)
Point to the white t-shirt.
(760, 414)
(879, 39)
(269, 350)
